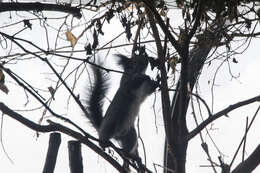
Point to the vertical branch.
(244, 144)
(75, 157)
(241, 142)
(181, 117)
(54, 144)
(159, 20)
(186, 71)
(250, 163)
(173, 155)
(164, 85)
(137, 36)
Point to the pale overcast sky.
(28, 152)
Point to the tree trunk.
(176, 147)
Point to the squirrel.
(118, 121)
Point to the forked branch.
(219, 114)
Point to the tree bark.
(37, 6)
(75, 157)
(250, 163)
(54, 145)
(196, 60)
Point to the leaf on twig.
(27, 23)
(70, 37)
(99, 27)
(88, 49)
(3, 87)
(95, 41)
(109, 15)
(128, 31)
(173, 62)
(52, 92)
(235, 60)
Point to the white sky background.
(28, 152)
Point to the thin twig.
(219, 114)
(241, 142)
(244, 144)
(58, 127)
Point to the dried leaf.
(27, 23)
(154, 62)
(4, 88)
(164, 12)
(95, 41)
(204, 146)
(234, 60)
(128, 30)
(88, 49)
(52, 92)
(181, 36)
(2, 77)
(173, 62)
(70, 37)
(124, 21)
(99, 27)
(179, 3)
(109, 15)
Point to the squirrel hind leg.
(128, 142)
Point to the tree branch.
(164, 85)
(75, 157)
(37, 6)
(250, 163)
(225, 111)
(196, 23)
(53, 149)
(58, 127)
(34, 94)
(165, 29)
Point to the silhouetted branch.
(244, 137)
(60, 128)
(21, 82)
(54, 144)
(37, 6)
(75, 157)
(163, 26)
(164, 85)
(219, 114)
(250, 163)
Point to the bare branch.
(54, 145)
(250, 163)
(196, 23)
(225, 111)
(166, 31)
(75, 157)
(244, 137)
(164, 85)
(58, 127)
(37, 6)
(34, 94)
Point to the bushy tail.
(96, 97)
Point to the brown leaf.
(52, 92)
(2, 77)
(70, 37)
(4, 88)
